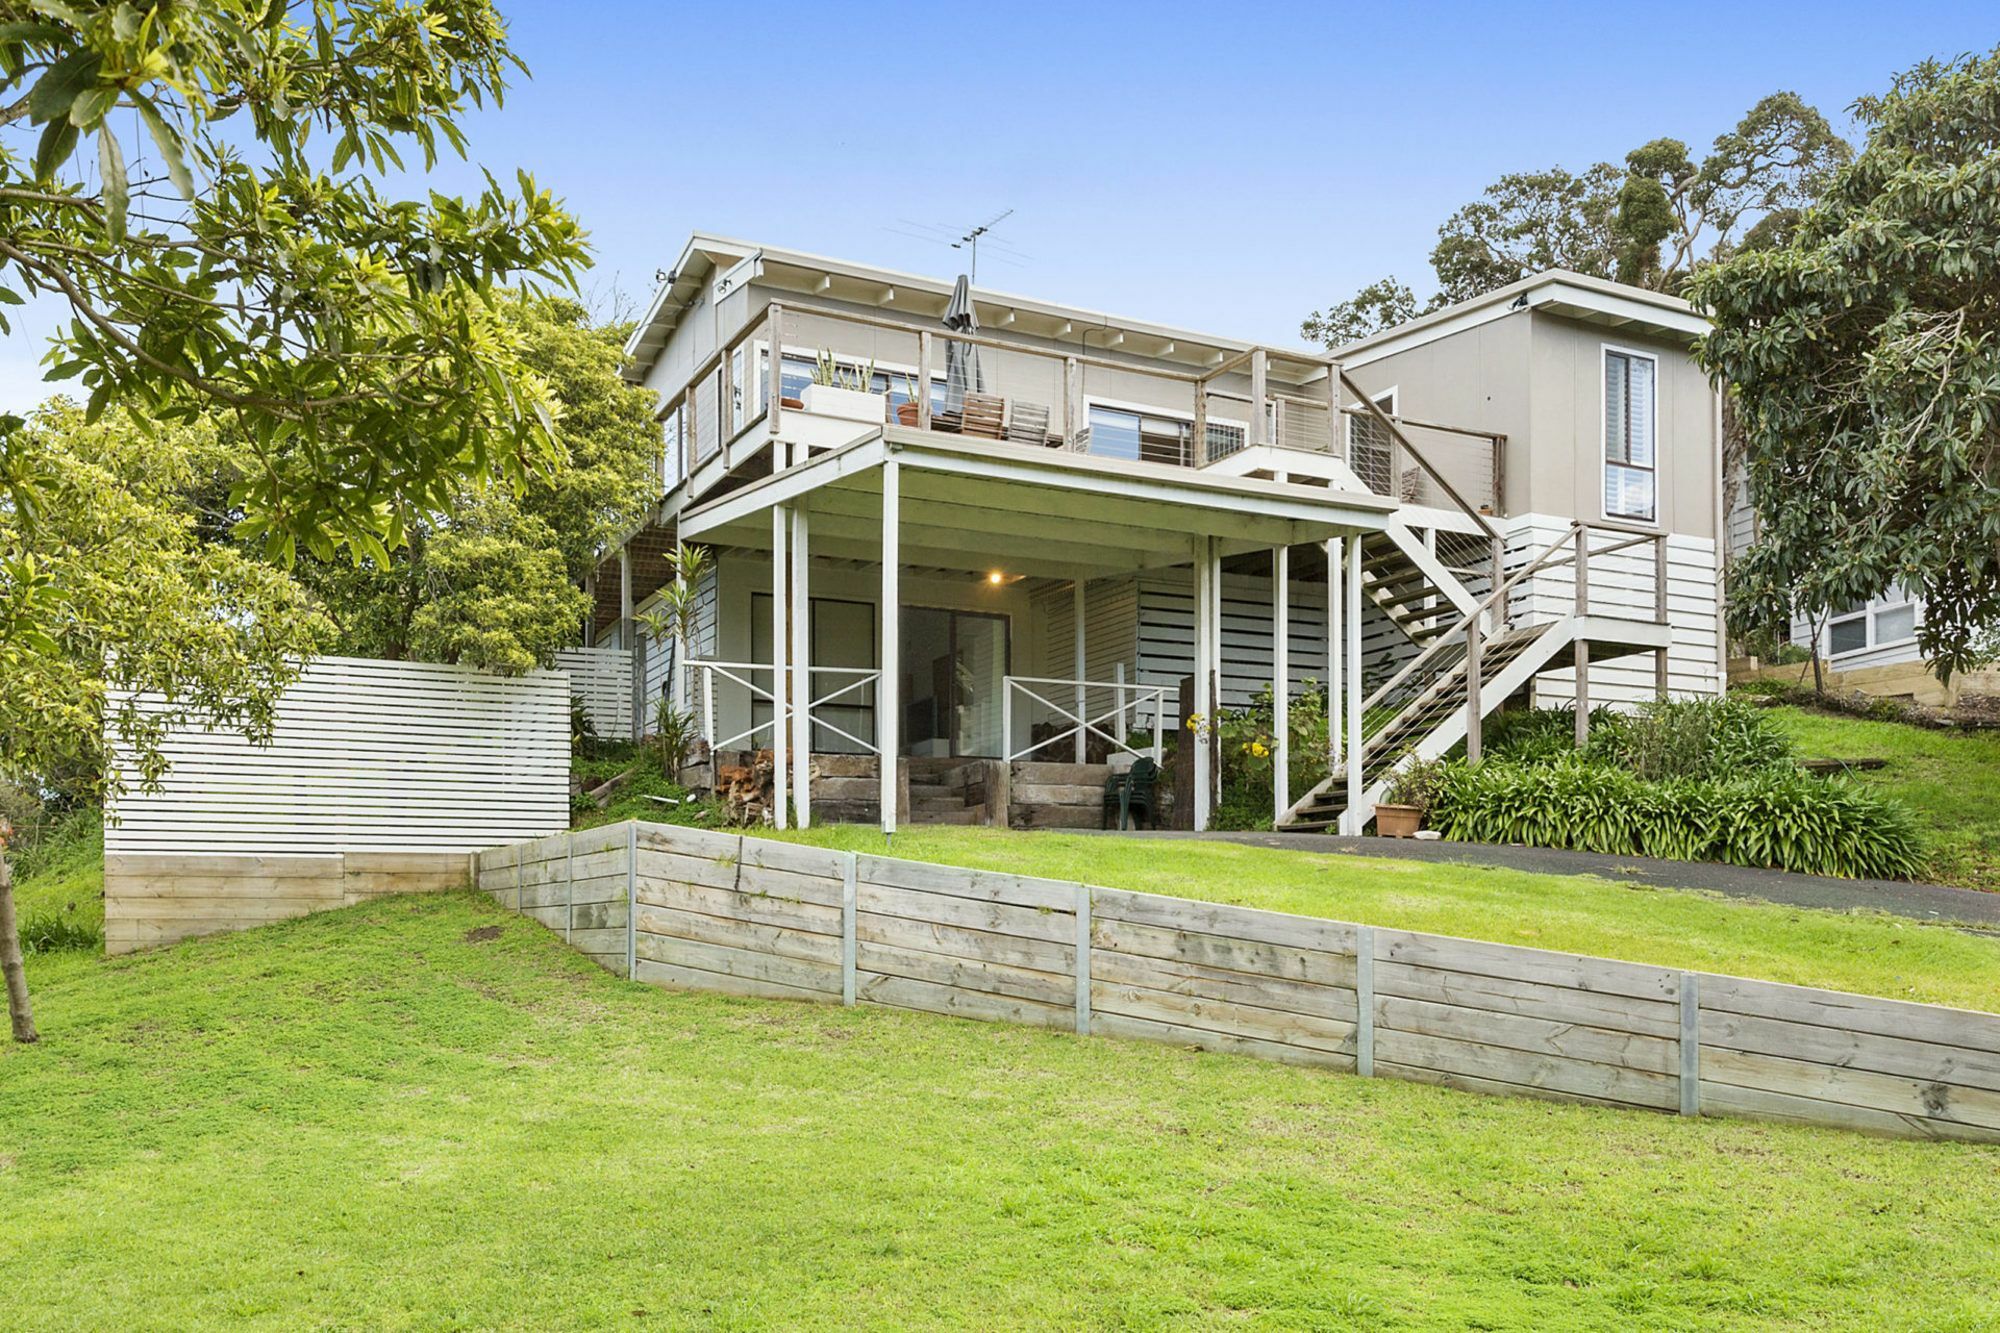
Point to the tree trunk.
(18, 1008)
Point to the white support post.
(1334, 548)
(1214, 745)
(888, 706)
(1260, 389)
(780, 603)
(1118, 699)
(1076, 634)
(1281, 680)
(627, 629)
(802, 676)
(1195, 741)
(1356, 817)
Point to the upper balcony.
(1261, 411)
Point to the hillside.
(441, 1097)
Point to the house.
(1011, 550)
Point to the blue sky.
(1225, 167)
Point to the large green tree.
(197, 183)
(492, 578)
(1651, 222)
(134, 602)
(1862, 355)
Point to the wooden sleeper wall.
(747, 916)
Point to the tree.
(1651, 222)
(492, 577)
(348, 339)
(1382, 304)
(257, 270)
(1862, 355)
(145, 606)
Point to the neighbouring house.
(1867, 648)
(1008, 544)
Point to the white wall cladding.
(366, 756)
(602, 678)
(1166, 632)
(1621, 584)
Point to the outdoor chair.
(985, 417)
(1131, 794)
(1028, 423)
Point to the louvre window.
(1629, 463)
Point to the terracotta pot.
(1397, 821)
(906, 414)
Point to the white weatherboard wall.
(1621, 584)
(366, 756)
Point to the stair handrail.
(1447, 640)
(1371, 408)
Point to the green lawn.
(1865, 952)
(63, 878)
(382, 1117)
(1950, 779)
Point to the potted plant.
(906, 411)
(846, 392)
(1411, 790)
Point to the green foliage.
(1768, 817)
(146, 605)
(1687, 738)
(1534, 735)
(492, 578)
(349, 337)
(1651, 222)
(1248, 764)
(1382, 304)
(1865, 373)
(1416, 783)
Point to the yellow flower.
(1258, 748)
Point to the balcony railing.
(1103, 399)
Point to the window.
(1629, 469)
(1119, 433)
(1877, 624)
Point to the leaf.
(90, 107)
(167, 142)
(60, 86)
(58, 142)
(117, 192)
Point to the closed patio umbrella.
(961, 359)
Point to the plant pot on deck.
(906, 414)
(1398, 821)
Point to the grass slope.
(1868, 953)
(62, 879)
(423, 1112)
(1949, 779)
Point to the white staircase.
(1427, 706)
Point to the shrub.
(1534, 735)
(1773, 816)
(1688, 738)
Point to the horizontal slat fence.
(716, 911)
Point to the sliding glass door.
(954, 670)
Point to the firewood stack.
(744, 790)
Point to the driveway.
(1919, 902)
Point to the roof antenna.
(971, 241)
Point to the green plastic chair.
(1131, 794)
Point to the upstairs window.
(1629, 464)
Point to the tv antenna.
(970, 241)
